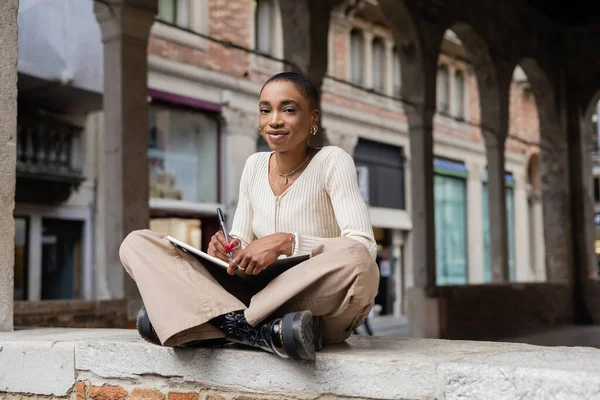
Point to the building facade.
(207, 60)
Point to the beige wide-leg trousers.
(181, 295)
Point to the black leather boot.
(147, 332)
(291, 336)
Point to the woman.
(295, 200)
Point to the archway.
(545, 132)
(458, 199)
(524, 197)
(488, 118)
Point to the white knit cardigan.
(323, 202)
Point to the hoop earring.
(314, 129)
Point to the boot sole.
(142, 324)
(318, 332)
(298, 335)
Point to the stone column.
(524, 271)
(123, 177)
(8, 156)
(368, 60)
(497, 208)
(423, 307)
(475, 223)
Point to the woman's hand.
(261, 253)
(218, 247)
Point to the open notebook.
(261, 280)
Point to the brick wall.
(71, 314)
(483, 312)
(230, 21)
(84, 390)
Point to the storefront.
(183, 156)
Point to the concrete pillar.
(368, 60)
(497, 208)
(305, 24)
(423, 307)
(8, 156)
(524, 270)
(475, 223)
(123, 178)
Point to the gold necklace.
(291, 173)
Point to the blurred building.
(206, 63)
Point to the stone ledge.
(51, 361)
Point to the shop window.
(378, 65)
(21, 258)
(183, 154)
(357, 49)
(450, 202)
(175, 12)
(264, 21)
(510, 222)
(381, 167)
(61, 258)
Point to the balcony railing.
(48, 159)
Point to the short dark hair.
(300, 82)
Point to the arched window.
(459, 94)
(378, 65)
(397, 73)
(356, 57)
(443, 90)
(264, 22)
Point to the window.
(382, 167)
(378, 65)
(357, 49)
(21, 259)
(450, 199)
(175, 12)
(183, 154)
(397, 73)
(264, 22)
(459, 93)
(61, 258)
(596, 190)
(443, 90)
(510, 223)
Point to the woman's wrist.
(287, 243)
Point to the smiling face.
(285, 116)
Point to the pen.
(223, 228)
